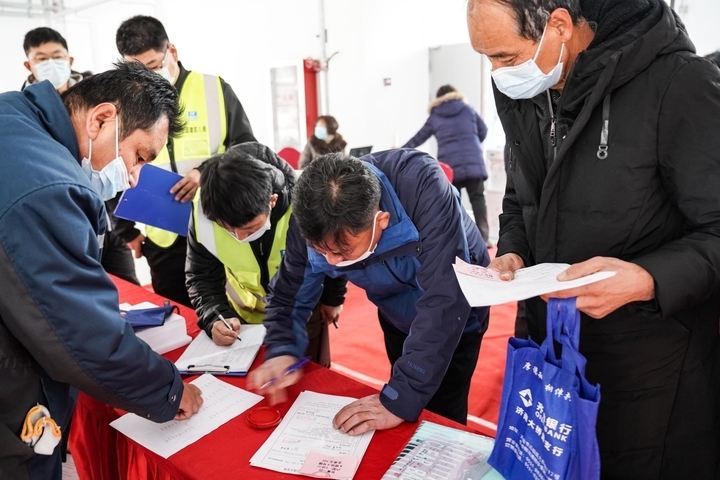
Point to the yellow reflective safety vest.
(242, 271)
(204, 136)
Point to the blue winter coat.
(60, 326)
(409, 278)
(459, 131)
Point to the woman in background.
(459, 131)
(324, 140)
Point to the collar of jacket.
(446, 98)
(52, 115)
(181, 77)
(401, 237)
(321, 147)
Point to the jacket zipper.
(553, 121)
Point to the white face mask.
(254, 236)
(113, 178)
(165, 71)
(368, 252)
(56, 71)
(527, 80)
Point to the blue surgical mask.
(320, 132)
(527, 80)
(368, 252)
(113, 178)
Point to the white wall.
(240, 39)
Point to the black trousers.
(167, 268)
(117, 258)
(476, 191)
(451, 399)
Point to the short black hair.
(139, 34)
(336, 194)
(38, 36)
(532, 15)
(141, 96)
(235, 188)
(444, 90)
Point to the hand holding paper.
(631, 283)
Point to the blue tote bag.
(548, 412)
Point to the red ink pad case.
(264, 417)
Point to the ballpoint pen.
(222, 319)
(292, 368)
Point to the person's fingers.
(181, 183)
(185, 193)
(356, 420)
(278, 395)
(582, 269)
(138, 252)
(235, 324)
(345, 413)
(364, 427)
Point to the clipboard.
(150, 202)
(203, 356)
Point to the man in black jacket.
(236, 243)
(214, 121)
(612, 121)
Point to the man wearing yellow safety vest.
(236, 243)
(214, 121)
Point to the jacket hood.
(52, 114)
(448, 105)
(624, 46)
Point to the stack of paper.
(483, 287)
(167, 337)
(436, 452)
(221, 403)
(305, 442)
(204, 356)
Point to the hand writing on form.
(185, 189)
(275, 368)
(222, 335)
(631, 283)
(189, 402)
(363, 415)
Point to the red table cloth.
(102, 453)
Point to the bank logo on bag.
(526, 397)
(546, 428)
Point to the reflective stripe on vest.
(242, 272)
(204, 136)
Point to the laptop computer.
(360, 151)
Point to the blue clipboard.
(150, 202)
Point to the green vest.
(242, 272)
(204, 136)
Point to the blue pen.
(292, 368)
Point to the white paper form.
(483, 287)
(171, 335)
(437, 452)
(221, 403)
(238, 356)
(307, 427)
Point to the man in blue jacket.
(393, 225)
(60, 327)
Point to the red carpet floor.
(357, 350)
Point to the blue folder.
(150, 202)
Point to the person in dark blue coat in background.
(60, 324)
(391, 224)
(459, 131)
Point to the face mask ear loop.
(117, 138)
(90, 150)
(537, 52)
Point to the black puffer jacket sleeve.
(205, 281)
(334, 290)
